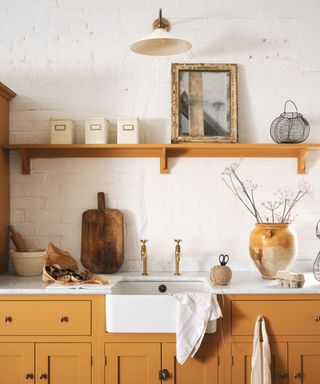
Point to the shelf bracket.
(301, 161)
(164, 161)
(25, 161)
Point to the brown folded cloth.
(60, 267)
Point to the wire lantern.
(316, 265)
(289, 127)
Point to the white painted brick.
(43, 216)
(16, 216)
(37, 243)
(71, 217)
(16, 190)
(40, 190)
(68, 202)
(58, 230)
(23, 202)
(60, 165)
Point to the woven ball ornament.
(289, 127)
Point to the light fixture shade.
(160, 43)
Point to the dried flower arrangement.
(280, 209)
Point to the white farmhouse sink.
(142, 307)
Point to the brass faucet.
(144, 257)
(177, 254)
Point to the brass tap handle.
(144, 257)
(143, 248)
(178, 242)
(177, 257)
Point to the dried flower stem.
(244, 191)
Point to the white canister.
(96, 131)
(128, 131)
(62, 131)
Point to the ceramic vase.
(272, 248)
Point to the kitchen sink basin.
(147, 306)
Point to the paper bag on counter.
(60, 267)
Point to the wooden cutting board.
(102, 238)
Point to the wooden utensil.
(102, 238)
(17, 240)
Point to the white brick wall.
(68, 58)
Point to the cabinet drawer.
(282, 317)
(45, 317)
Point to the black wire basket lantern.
(289, 127)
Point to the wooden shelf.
(161, 151)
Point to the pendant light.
(160, 42)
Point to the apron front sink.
(147, 306)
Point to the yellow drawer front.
(282, 317)
(45, 317)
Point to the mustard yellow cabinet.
(241, 363)
(202, 369)
(54, 363)
(304, 363)
(132, 363)
(151, 363)
(16, 363)
(63, 363)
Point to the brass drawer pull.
(64, 319)
(7, 319)
(43, 376)
(29, 376)
(317, 318)
(283, 375)
(297, 375)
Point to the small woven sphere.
(289, 127)
(220, 275)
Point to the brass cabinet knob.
(64, 319)
(297, 375)
(43, 376)
(317, 318)
(29, 376)
(164, 374)
(7, 319)
(283, 375)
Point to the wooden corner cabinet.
(5, 96)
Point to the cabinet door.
(304, 363)
(201, 369)
(16, 363)
(241, 363)
(132, 363)
(63, 363)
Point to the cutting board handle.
(101, 201)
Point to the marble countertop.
(243, 282)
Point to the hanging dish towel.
(194, 312)
(261, 355)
